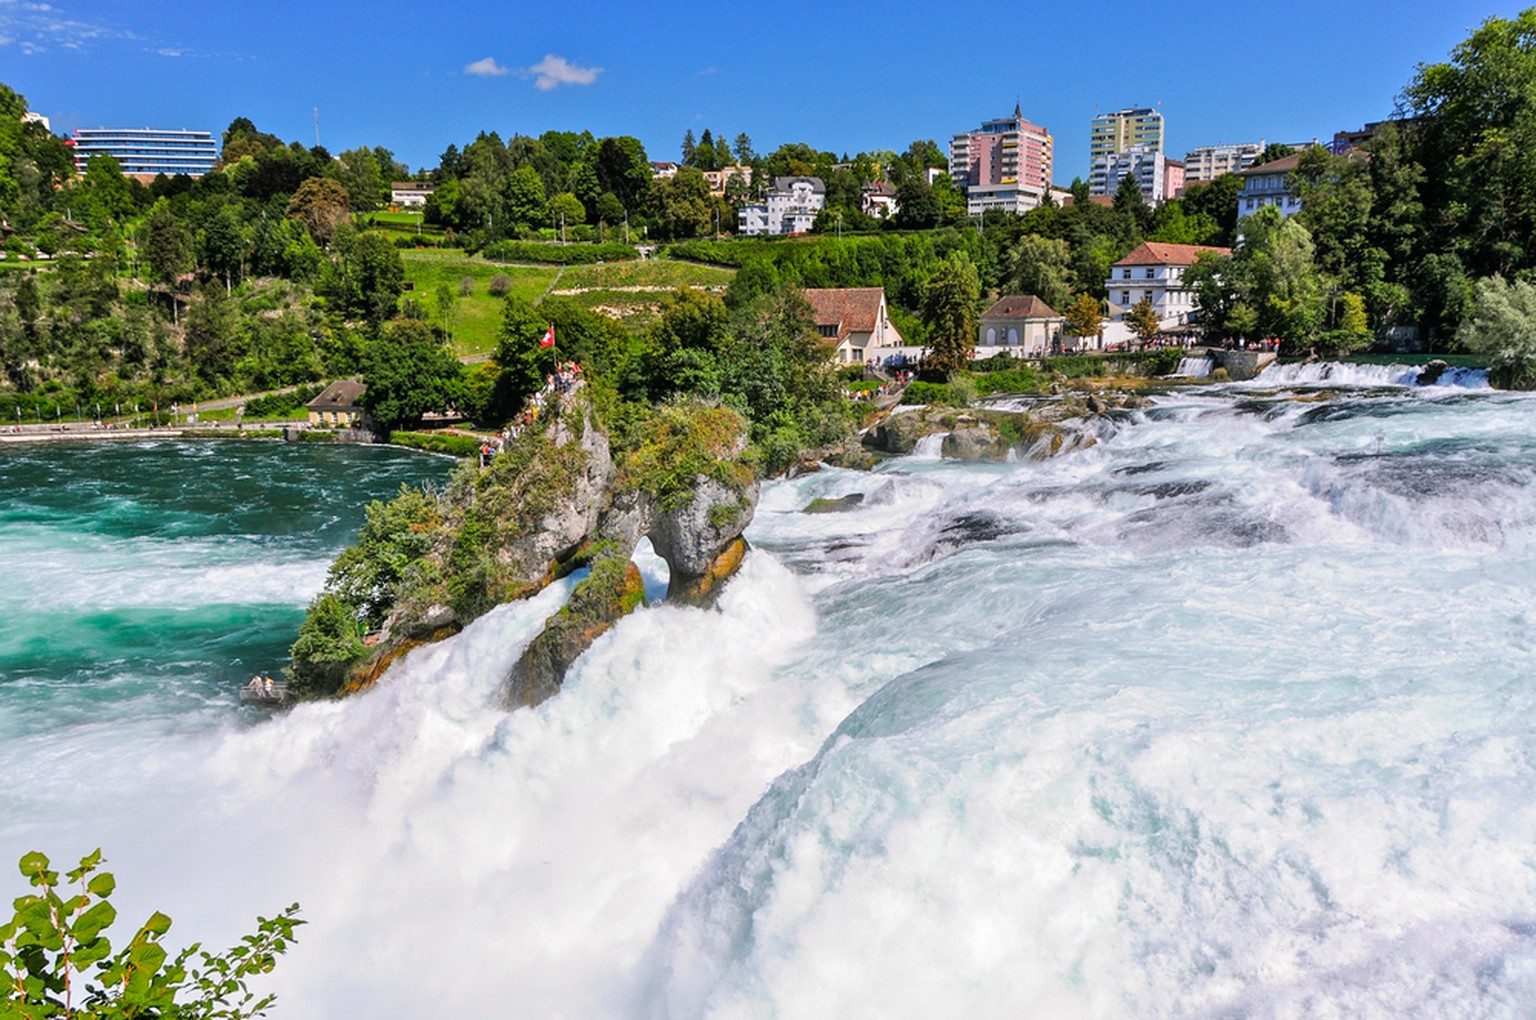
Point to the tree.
(1131, 203)
(213, 334)
(566, 208)
(949, 311)
(524, 362)
(527, 204)
(744, 153)
(409, 373)
(1503, 328)
(917, 208)
(224, 245)
(1084, 317)
(1475, 135)
(321, 204)
(167, 249)
(56, 957)
(359, 172)
(1039, 266)
(1143, 320)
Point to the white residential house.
(879, 200)
(855, 324)
(1020, 325)
(791, 208)
(1155, 272)
(410, 194)
(1266, 184)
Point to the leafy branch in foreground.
(56, 960)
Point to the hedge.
(558, 254)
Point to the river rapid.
(1229, 714)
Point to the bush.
(501, 285)
(920, 392)
(281, 404)
(1019, 380)
(437, 442)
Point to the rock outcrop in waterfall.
(556, 500)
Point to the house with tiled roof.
(1155, 272)
(1020, 325)
(339, 405)
(854, 323)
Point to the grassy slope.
(479, 314)
(600, 286)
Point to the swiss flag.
(549, 338)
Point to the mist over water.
(1229, 714)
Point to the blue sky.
(414, 77)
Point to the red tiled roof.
(1020, 306)
(850, 309)
(1154, 253)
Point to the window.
(1149, 274)
(991, 337)
(1013, 337)
(1125, 297)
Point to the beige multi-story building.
(1211, 161)
(1004, 164)
(1120, 130)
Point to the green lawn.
(479, 313)
(400, 223)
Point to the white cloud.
(168, 52)
(40, 27)
(554, 71)
(486, 68)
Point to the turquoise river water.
(1230, 714)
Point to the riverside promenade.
(80, 432)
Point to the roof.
(850, 309)
(1104, 200)
(341, 395)
(1283, 165)
(786, 183)
(1154, 253)
(1020, 306)
(412, 186)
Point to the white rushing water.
(1227, 715)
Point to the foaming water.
(1337, 374)
(1225, 715)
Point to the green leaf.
(102, 884)
(33, 864)
(93, 921)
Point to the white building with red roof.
(1155, 272)
(855, 323)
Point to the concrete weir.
(1242, 365)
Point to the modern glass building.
(149, 151)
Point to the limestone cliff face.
(557, 501)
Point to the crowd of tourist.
(563, 379)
